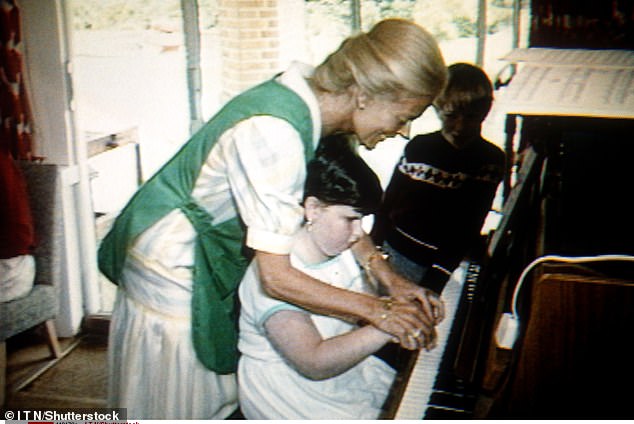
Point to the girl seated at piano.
(299, 365)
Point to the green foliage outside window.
(446, 19)
(137, 14)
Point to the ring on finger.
(411, 339)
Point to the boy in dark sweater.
(443, 186)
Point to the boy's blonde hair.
(395, 59)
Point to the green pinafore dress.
(219, 263)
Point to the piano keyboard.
(419, 393)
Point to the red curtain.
(15, 111)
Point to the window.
(130, 61)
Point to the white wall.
(47, 80)
(45, 51)
(292, 25)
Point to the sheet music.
(565, 57)
(573, 82)
(526, 173)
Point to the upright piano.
(570, 141)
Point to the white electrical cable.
(557, 258)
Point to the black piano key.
(435, 412)
(449, 397)
(452, 398)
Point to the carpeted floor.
(77, 380)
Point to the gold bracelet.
(379, 253)
(387, 303)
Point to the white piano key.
(421, 381)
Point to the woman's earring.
(361, 101)
(309, 225)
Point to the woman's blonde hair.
(396, 59)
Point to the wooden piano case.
(575, 358)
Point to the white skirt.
(153, 369)
(274, 391)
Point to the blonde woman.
(180, 247)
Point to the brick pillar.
(249, 36)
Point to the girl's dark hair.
(339, 176)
